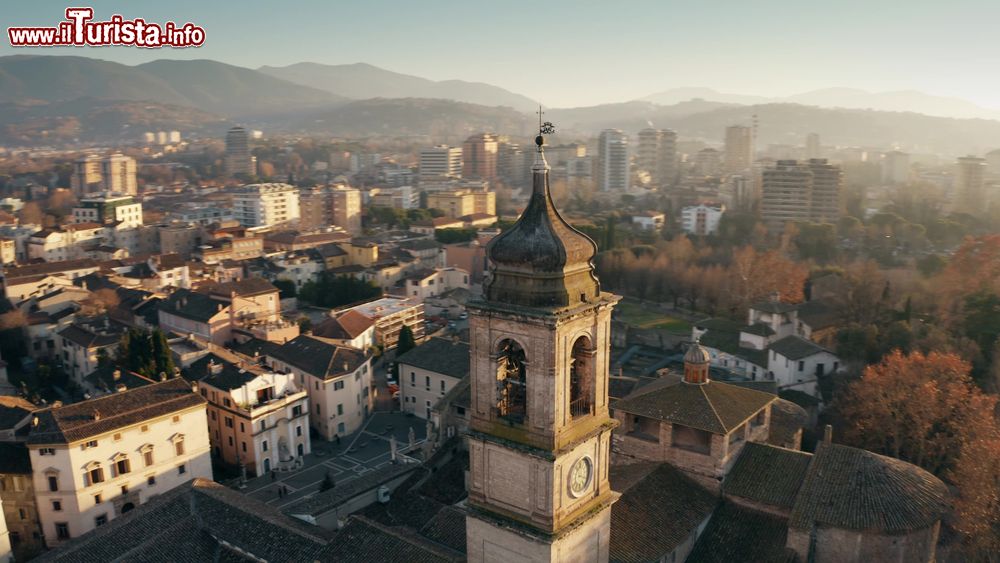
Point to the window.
(96, 475)
(802, 366)
(427, 382)
(144, 428)
(176, 419)
(53, 483)
(122, 466)
(181, 469)
(204, 392)
(230, 440)
(298, 430)
(179, 447)
(244, 444)
(62, 530)
(317, 410)
(101, 520)
(213, 415)
(151, 480)
(124, 489)
(117, 437)
(413, 379)
(263, 425)
(226, 402)
(47, 451)
(297, 410)
(512, 395)
(57, 506)
(340, 409)
(98, 499)
(90, 444)
(340, 427)
(263, 445)
(338, 385)
(242, 428)
(229, 422)
(442, 386)
(21, 513)
(581, 377)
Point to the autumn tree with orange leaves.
(926, 409)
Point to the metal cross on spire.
(544, 128)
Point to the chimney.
(34, 421)
(116, 375)
(96, 415)
(828, 434)
(163, 376)
(56, 404)
(120, 387)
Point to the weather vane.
(545, 128)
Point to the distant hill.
(89, 119)
(414, 117)
(628, 115)
(205, 85)
(362, 81)
(848, 98)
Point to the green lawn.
(641, 317)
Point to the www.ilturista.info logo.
(78, 30)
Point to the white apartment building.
(118, 174)
(441, 161)
(650, 220)
(338, 380)
(424, 283)
(107, 209)
(429, 371)
(95, 460)
(71, 243)
(257, 418)
(265, 205)
(702, 219)
(613, 171)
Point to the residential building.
(969, 192)
(350, 328)
(426, 282)
(813, 147)
(22, 282)
(657, 155)
(612, 168)
(238, 157)
(403, 197)
(82, 344)
(479, 157)
(258, 419)
(109, 209)
(440, 161)
(459, 203)
(20, 511)
(786, 194)
(390, 315)
(739, 151)
(896, 167)
(118, 175)
(346, 209)
(428, 372)
(86, 176)
(650, 220)
(707, 162)
(98, 459)
(337, 378)
(266, 205)
(702, 219)
(824, 196)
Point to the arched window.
(581, 378)
(512, 395)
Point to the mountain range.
(849, 98)
(46, 99)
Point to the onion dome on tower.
(541, 261)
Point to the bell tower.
(540, 433)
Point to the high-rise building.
(707, 162)
(800, 191)
(346, 208)
(511, 164)
(657, 155)
(813, 147)
(113, 173)
(441, 161)
(315, 207)
(479, 157)
(174, 136)
(824, 199)
(895, 167)
(738, 149)
(108, 210)
(786, 193)
(459, 203)
(238, 157)
(969, 194)
(86, 175)
(540, 430)
(265, 205)
(612, 160)
(993, 162)
(118, 174)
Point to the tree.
(146, 353)
(918, 408)
(286, 288)
(327, 482)
(977, 504)
(406, 341)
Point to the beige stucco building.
(98, 459)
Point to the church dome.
(541, 261)
(697, 354)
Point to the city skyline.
(767, 49)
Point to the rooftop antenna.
(544, 128)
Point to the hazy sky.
(570, 53)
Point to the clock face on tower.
(580, 476)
